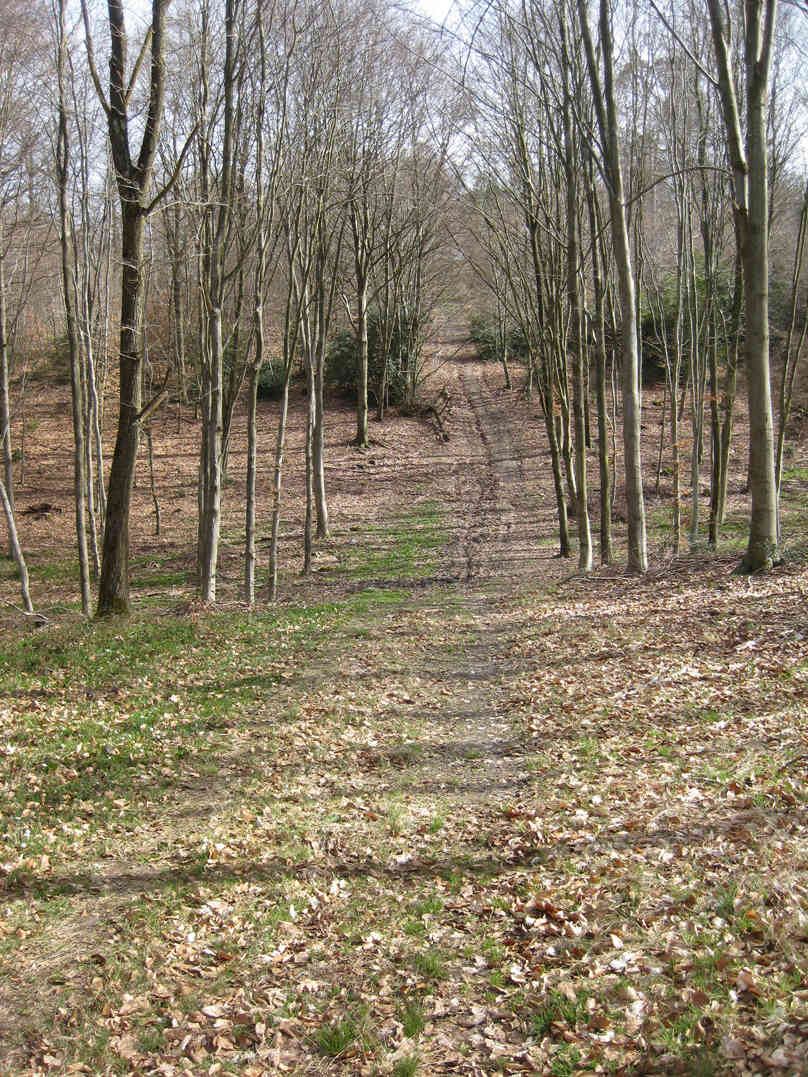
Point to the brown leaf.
(733, 1048)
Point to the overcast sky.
(435, 9)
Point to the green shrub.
(658, 322)
(405, 341)
(488, 338)
(485, 338)
(270, 380)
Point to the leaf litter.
(492, 827)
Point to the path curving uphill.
(496, 494)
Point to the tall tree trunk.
(79, 445)
(715, 440)
(565, 431)
(95, 444)
(71, 311)
(133, 177)
(730, 391)
(698, 371)
(793, 347)
(308, 526)
(178, 325)
(748, 156)
(320, 499)
(113, 586)
(606, 111)
(763, 549)
(212, 501)
(218, 213)
(558, 483)
(362, 439)
(280, 444)
(16, 548)
(91, 412)
(252, 455)
(5, 396)
(576, 337)
(177, 309)
(604, 464)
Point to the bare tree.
(748, 155)
(133, 174)
(19, 71)
(572, 165)
(275, 45)
(316, 85)
(795, 341)
(602, 79)
(16, 548)
(218, 202)
(600, 295)
(71, 305)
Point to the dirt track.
(459, 796)
(487, 477)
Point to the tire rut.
(494, 505)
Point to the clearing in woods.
(449, 808)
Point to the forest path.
(458, 811)
(495, 492)
(422, 758)
(494, 499)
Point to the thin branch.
(138, 65)
(679, 41)
(88, 38)
(175, 175)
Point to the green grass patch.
(410, 546)
(407, 1066)
(559, 1011)
(412, 1019)
(334, 1040)
(429, 965)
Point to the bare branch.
(88, 37)
(175, 175)
(144, 48)
(679, 41)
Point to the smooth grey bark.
(360, 229)
(795, 341)
(264, 212)
(320, 496)
(5, 393)
(577, 337)
(218, 215)
(177, 254)
(607, 121)
(727, 406)
(16, 548)
(598, 287)
(324, 245)
(71, 306)
(550, 384)
(308, 526)
(280, 444)
(258, 326)
(748, 156)
(252, 460)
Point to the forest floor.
(449, 807)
